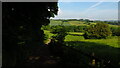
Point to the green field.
(76, 23)
(77, 36)
(101, 47)
(53, 23)
(113, 41)
(107, 49)
(76, 33)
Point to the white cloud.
(59, 11)
(95, 5)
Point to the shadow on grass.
(101, 51)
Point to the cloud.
(93, 6)
(59, 11)
(97, 4)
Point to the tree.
(60, 33)
(98, 31)
(56, 46)
(21, 29)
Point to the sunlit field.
(111, 41)
(107, 49)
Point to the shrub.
(60, 33)
(98, 31)
(115, 31)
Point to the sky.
(88, 0)
(88, 10)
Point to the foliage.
(60, 32)
(68, 28)
(114, 23)
(46, 37)
(21, 23)
(76, 36)
(47, 27)
(98, 31)
(115, 31)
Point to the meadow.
(53, 23)
(107, 49)
(77, 36)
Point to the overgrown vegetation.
(60, 33)
(98, 31)
(115, 31)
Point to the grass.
(53, 23)
(113, 41)
(108, 49)
(76, 23)
(76, 36)
(114, 25)
(73, 38)
(76, 33)
(100, 50)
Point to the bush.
(115, 31)
(98, 31)
(60, 33)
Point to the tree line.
(94, 31)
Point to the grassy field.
(53, 23)
(76, 23)
(73, 38)
(111, 41)
(76, 36)
(76, 33)
(107, 49)
(114, 26)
